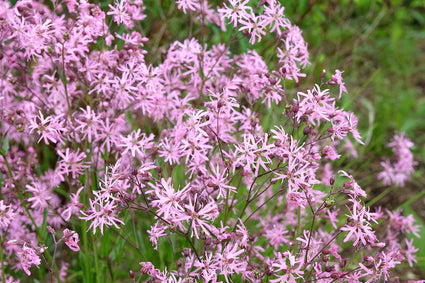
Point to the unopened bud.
(131, 273)
(347, 185)
(343, 263)
(330, 202)
(186, 252)
(50, 230)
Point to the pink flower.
(238, 10)
(229, 262)
(398, 170)
(71, 239)
(185, 5)
(330, 153)
(289, 265)
(49, 128)
(119, 12)
(337, 79)
(352, 184)
(74, 206)
(102, 212)
(157, 230)
(137, 143)
(28, 257)
(254, 26)
(72, 162)
(6, 215)
(200, 217)
(170, 150)
(89, 124)
(275, 18)
(41, 195)
(167, 200)
(410, 251)
(358, 226)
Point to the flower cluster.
(398, 170)
(94, 134)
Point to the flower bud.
(343, 263)
(347, 185)
(330, 202)
(50, 230)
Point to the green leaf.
(104, 245)
(44, 225)
(5, 146)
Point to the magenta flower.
(71, 239)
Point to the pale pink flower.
(137, 143)
(74, 206)
(237, 11)
(28, 257)
(290, 266)
(72, 162)
(6, 215)
(41, 195)
(101, 213)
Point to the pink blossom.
(7, 214)
(289, 265)
(101, 213)
(27, 257)
(71, 239)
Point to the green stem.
(299, 220)
(86, 250)
(3, 277)
(379, 197)
(96, 262)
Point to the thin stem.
(96, 261)
(258, 208)
(380, 196)
(65, 83)
(325, 246)
(2, 261)
(86, 250)
(193, 247)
